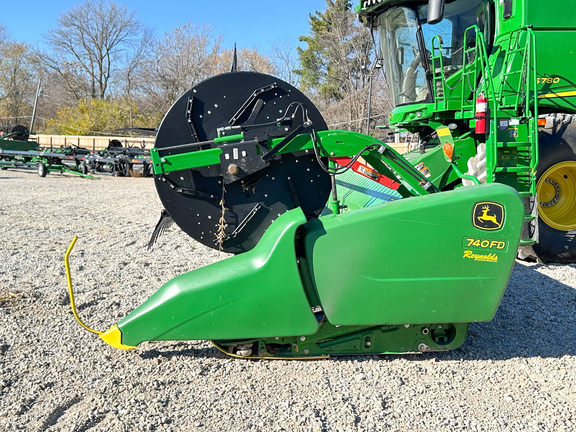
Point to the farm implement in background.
(119, 161)
(16, 151)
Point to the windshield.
(398, 31)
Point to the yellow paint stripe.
(443, 131)
(556, 95)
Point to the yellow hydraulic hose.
(71, 292)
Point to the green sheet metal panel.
(417, 260)
(8, 144)
(356, 191)
(255, 294)
(549, 14)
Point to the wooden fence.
(98, 142)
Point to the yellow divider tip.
(113, 337)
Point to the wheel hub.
(556, 191)
(557, 194)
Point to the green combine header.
(244, 163)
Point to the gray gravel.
(516, 373)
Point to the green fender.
(252, 295)
(439, 258)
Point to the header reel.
(230, 205)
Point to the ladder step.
(527, 242)
(529, 217)
(515, 72)
(507, 107)
(520, 170)
(513, 144)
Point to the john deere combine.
(326, 226)
(500, 75)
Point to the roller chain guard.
(252, 103)
(350, 340)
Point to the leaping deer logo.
(488, 216)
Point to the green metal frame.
(331, 144)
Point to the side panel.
(549, 14)
(419, 259)
(555, 30)
(556, 71)
(255, 294)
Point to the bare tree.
(91, 43)
(4, 35)
(249, 59)
(18, 79)
(180, 60)
(132, 74)
(286, 61)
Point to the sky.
(250, 23)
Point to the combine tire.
(556, 191)
(21, 133)
(42, 170)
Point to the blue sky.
(249, 24)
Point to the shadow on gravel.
(177, 351)
(537, 318)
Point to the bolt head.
(233, 169)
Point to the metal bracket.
(189, 118)
(240, 160)
(242, 224)
(250, 100)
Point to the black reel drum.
(211, 204)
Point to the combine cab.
(500, 76)
(244, 163)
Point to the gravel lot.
(516, 373)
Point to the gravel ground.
(516, 373)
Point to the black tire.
(84, 168)
(42, 169)
(22, 133)
(555, 226)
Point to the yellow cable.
(73, 306)
(70, 291)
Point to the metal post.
(38, 89)
(377, 66)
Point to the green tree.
(335, 66)
(98, 117)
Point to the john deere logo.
(488, 216)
